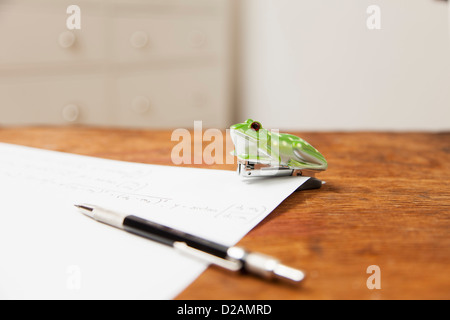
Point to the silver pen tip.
(283, 272)
(85, 209)
(270, 268)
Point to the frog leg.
(295, 164)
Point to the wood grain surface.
(386, 202)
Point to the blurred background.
(291, 64)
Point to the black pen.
(231, 258)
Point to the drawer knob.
(139, 39)
(66, 39)
(140, 105)
(71, 113)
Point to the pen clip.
(232, 265)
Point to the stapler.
(264, 153)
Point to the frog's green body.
(255, 144)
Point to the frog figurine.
(261, 152)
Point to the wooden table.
(386, 203)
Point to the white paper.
(48, 250)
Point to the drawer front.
(55, 101)
(167, 38)
(175, 98)
(35, 35)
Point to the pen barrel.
(168, 236)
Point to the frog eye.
(255, 126)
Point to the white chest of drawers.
(134, 63)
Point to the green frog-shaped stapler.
(261, 152)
